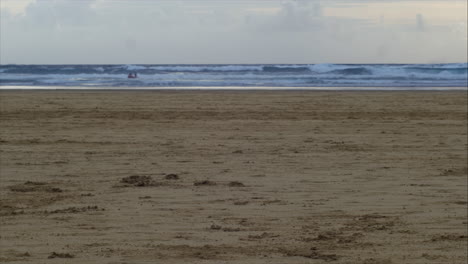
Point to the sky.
(232, 31)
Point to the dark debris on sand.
(139, 181)
(236, 184)
(171, 176)
(204, 183)
(311, 253)
(75, 210)
(30, 186)
(60, 255)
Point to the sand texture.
(233, 177)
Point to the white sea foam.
(200, 68)
(326, 67)
(131, 67)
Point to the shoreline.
(240, 88)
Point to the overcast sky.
(232, 31)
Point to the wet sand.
(233, 177)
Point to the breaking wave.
(255, 75)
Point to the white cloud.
(14, 7)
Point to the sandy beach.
(233, 177)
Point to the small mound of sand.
(75, 210)
(241, 202)
(171, 176)
(34, 187)
(215, 227)
(262, 236)
(138, 181)
(225, 229)
(231, 229)
(204, 183)
(311, 253)
(449, 237)
(236, 184)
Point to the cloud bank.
(193, 31)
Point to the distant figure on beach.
(132, 75)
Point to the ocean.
(236, 76)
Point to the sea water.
(271, 76)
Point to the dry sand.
(258, 177)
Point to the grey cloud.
(293, 16)
(150, 31)
(59, 13)
(420, 23)
(307, 16)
